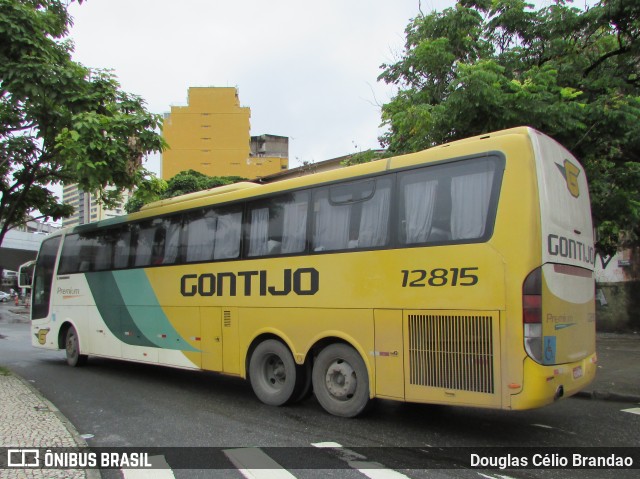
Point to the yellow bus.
(461, 275)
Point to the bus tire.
(302, 389)
(272, 372)
(341, 381)
(72, 348)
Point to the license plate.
(577, 372)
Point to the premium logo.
(570, 172)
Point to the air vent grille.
(452, 352)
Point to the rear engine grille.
(451, 352)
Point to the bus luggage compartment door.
(389, 354)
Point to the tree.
(61, 122)
(486, 65)
(185, 182)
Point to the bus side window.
(144, 239)
(157, 241)
(122, 248)
(278, 225)
(78, 254)
(445, 203)
(212, 234)
(470, 201)
(105, 243)
(352, 215)
(228, 233)
(418, 191)
(70, 255)
(157, 247)
(200, 231)
(172, 253)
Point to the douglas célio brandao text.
(550, 460)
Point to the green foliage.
(487, 65)
(61, 122)
(189, 181)
(364, 157)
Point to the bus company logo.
(301, 282)
(570, 172)
(41, 335)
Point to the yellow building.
(211, 135)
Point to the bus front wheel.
(72, 347)
(272, 372)
(340, 380)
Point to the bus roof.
(246, 190)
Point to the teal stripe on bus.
(131, 311)
(113, 311)
(143, 306)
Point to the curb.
(81, 443)
(607, 396)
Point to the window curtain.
(294, 229)
(172, 243)
(419, 204)
(104, 252)
(121, 259)
(227, 241)
(143, 247)
(332, 226)
(470, 195)
(375, 219)
(200, 236)
(259, 232)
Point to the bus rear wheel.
(72, 348)
(272, 372)
(341, 381)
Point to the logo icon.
(42, 335)
(23, 458)
(570, 172)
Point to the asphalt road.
(116, 403)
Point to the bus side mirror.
(25, 274)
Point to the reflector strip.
(572, 270)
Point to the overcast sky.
(308, 70)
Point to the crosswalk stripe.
(253, 463)
(633, 410)
(371, 469)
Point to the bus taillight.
(532, 314)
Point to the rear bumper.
(545, 384)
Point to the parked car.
(4, 297)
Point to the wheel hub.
(341, 380)
(275, 371)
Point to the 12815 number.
(420, 278)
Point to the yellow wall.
(211, 135)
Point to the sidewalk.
(29, 420)
(618, 375)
